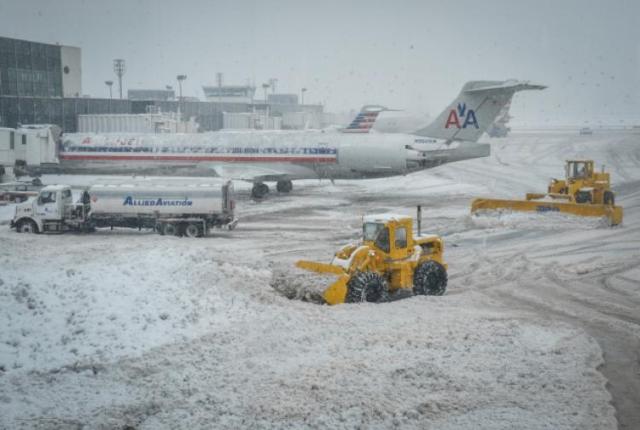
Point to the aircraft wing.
(252, 172)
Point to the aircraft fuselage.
(288, 154)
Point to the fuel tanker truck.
(190, 210)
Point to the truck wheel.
(170, 229)
(193, 230)
(27, 227)
(609, 198)
(367, 287)
(430, 279)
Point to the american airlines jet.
(282, 156)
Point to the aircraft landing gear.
(284, 186)
(259, 190)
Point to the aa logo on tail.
(462, 112)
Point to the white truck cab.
(46, 212)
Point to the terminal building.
(229, 94)
(151, 95)
(41, 83)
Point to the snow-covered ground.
(130, 328)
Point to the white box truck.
(190, 210)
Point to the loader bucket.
(612, 213)
(337, 291)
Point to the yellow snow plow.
(388, 258)
(583, 192)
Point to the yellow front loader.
(389, 258)
(583, 192)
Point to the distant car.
(586, 130)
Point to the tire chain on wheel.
(430, 278)
(367, 287)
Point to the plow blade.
(337, 291)
(612, 213)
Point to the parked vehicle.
(19, 191)
(172, 210)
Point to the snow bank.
(127, 328)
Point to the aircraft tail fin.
(474, 110)
(363, 122)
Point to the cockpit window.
(371, 230)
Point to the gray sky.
(413, 55)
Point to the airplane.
(280, 156)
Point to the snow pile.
(123, 328)
(116, 295)
(531, 220)
(408, 364)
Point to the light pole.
(266, 107)
(109, 84)
(272, 82)
(119, 68)
(180, 78)
(219, 78)
(302, 91)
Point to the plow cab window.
(401, 237)
(370, 230)
(578, 170)
(382, 241)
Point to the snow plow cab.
(583, 192)
(389, 258)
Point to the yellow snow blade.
(337, 291)
(613, 213)
(313, 266)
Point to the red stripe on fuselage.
(204, 158)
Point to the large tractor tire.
(609, 198)
(430, 279)
(367, 287)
